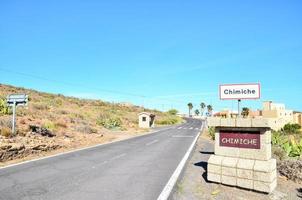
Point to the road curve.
(136, 168)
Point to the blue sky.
(170, 52)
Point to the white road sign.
(239, 91)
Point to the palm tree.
(197, 112)
(210, 109)
(245, 111)
(202, 106)
(190, 105)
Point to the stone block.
(264, 186)
(228, 122)
(243, 122)
(214, 177)
(215, 160)
(229, 162)
(228, 171)
(265, 176)
(260, 122)
(265, 166)
(245, 183)
(245, 173)
(266, 137)
(216, 169)
(264, 153)
(226, 151)
(213, 121)
(245, 164)
(228, 180)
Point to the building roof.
(147, 113)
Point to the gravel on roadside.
(193, 184)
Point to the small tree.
(4, 109)
(197, 112)
(210, 110)
(202, 106)
(173, 112)
(245, 111)
(190, 105)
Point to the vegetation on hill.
(69, 118)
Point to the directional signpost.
(15, 100)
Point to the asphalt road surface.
(137, 168)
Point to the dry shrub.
(40, 106)
(85, 129)
(292, 169)
(6, 132)
(6, 122)
(61, 124)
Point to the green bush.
(169, 120)
(289, 144)
(49, 125)
(291, 129)
(109, 122)
(173, 112)
(212, 132)
(4, 109)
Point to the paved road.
(137, 168)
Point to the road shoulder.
(194, 185)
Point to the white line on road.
(118, 156)
(164, 195)
(152, 142)
(191, 128)
(180, 136)
(179, 127)
(196, 128)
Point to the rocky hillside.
(54, 121)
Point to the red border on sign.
(239, 84)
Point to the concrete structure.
(226, 114)
(298, 118)
(277, 114)
(243, 165)
(146, 120)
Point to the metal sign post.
(13, 101)
(239, 100)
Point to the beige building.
(298, 118)
(277, 114)
(146, 120)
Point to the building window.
(144, 119)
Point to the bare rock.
(41, 131)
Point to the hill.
(54, 122)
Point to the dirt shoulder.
(29, 147)
(194, 185)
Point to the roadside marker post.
(15, 100)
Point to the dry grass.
(74, 122)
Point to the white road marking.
(191, 128)
(152, 142)
(179, 127)
(196, 128)
(164, 195)
(118, 156)
(181, 136)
